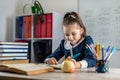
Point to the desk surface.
(84, 74)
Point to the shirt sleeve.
(84, 64)
(89, 55)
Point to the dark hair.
(72, 18)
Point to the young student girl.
(76, 42)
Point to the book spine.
(14, 61)
(12, 58)
(14, 50)
(14, 43)
(4, 46)
(12, 54)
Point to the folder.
(49, 25)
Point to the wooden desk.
(86, 74)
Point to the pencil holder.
(102, 67)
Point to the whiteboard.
(102, 20)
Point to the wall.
(10, 8)
(7, 11)
(102, 21)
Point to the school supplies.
(102, 50)
(103, 63)
(107, 52)
(97, 51)
(110, 54)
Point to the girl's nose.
(70, 38)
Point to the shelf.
(51, 32)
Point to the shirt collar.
(68, 46)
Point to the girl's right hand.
(52, 61)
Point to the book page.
(28, 67)
(56, 66)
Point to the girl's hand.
(73, 60)
(77, 64)
(52, 61)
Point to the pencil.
(76, 55)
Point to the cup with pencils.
(103, 64)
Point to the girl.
(75, 42)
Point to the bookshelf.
(48, 29)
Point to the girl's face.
(73, 33)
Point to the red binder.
(37, 32)
(43, 26)
(27, 27)
(49, 25)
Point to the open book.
(58, 66)
(27, 68)
(14, 61)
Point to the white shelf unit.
(57, 33)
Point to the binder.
(26, 26)
(49, 25)
(19, 27)
(29, 26)
(37, 32)
(43, 26)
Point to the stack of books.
(13, 52)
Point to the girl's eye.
(73, 33)
(66, 34)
